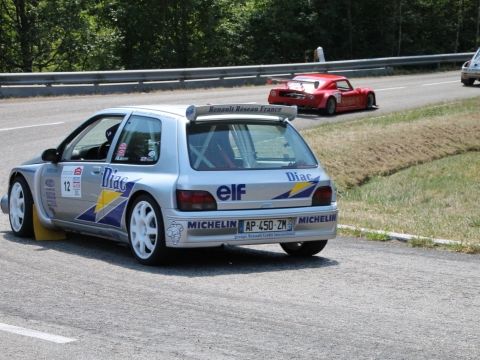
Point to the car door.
(350, 97)
(71, 188)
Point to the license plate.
(265, 225)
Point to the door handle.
(96, 170)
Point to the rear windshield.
(240, 146)
(305, 84)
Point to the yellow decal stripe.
(106, 197)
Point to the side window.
(343, 85)
(93, 143)
(139, 142)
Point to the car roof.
(178, 110)
(329, 77)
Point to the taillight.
(195, 200)
(322, 196)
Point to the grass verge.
(437, 199)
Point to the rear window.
(240, 146)
(305, 84)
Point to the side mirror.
(51, 155)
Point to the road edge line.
(400, 236)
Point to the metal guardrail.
(56, 83)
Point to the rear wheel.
(145, 232)
(304, 249)
(331, 106)
(370, 101)
(20, 208)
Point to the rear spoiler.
(273, 80)
(279, 111)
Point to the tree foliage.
(71, 35)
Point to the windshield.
(476, 57)
(240, 146)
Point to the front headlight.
(273, 93)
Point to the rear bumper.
(470, 73)
(306, 103)
(207, 229)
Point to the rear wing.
(273, 80)
(279, 111)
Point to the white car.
(471, 70)
(163, 177)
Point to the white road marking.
(31, 126)
(392, 88)
(35, 334)
(443, 82)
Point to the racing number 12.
(66, 186)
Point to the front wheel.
(304, 249)
(145, 232)
(370, 101)
(20, 208)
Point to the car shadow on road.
(202, 262)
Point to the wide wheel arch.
(130, 203)
(160, 254)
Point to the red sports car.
(326, 92)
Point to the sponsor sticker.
(338, 97)
(121, 150)
(71, 181)
(232, 192)
(174, 231)
(212, 224)
(314, 219)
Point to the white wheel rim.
(17, 206)
(143, 229)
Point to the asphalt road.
(87, 298)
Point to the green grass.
(439, 199)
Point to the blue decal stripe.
(129, 188)
(88, 215)
(114, 217)
(282, 196)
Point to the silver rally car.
(471, 70)
(164, 177)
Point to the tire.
(20, 208)
(370, 101)
(468, 82)
(304, 249)
(145, 232)
(331, 106)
